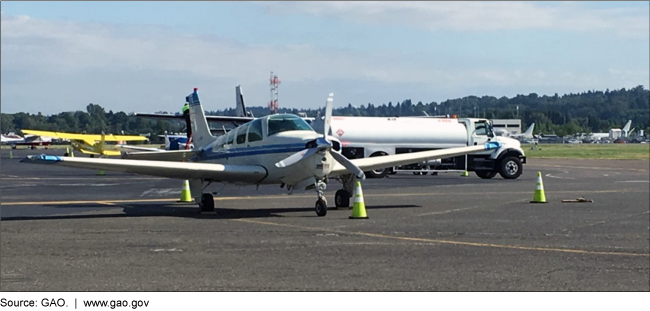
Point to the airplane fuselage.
(251, 143)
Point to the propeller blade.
(296, 157)
(322, 143)
(349, 165)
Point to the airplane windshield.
(287, 122)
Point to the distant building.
(509, 126)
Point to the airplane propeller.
(322, 144)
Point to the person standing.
(188, 123)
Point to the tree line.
(586, 112)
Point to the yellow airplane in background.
(93, 144)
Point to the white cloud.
(136, 68)
(476, 16)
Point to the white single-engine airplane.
(275, 149)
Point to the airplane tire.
(321, 207)
(342, 198)
(207, 202)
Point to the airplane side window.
(241, 134)
(231, 136)
(255, 131)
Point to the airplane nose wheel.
(321, 207)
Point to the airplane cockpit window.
(241, 133)
(255, 131)
(287, 122)
(231, 137)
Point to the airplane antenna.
(274, 83)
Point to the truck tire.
(485, 174)
(381, 173)
(377, 173)
(510, 168)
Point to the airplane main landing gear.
(207, 203)
(342, 198)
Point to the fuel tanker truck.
(363, 137)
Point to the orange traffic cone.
(359, 207)
(539, 196)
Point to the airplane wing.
(237, 120)
(88, 138)
(105, 152)
(161, 155)
(138, 148)
(181, 170)
(373, 163)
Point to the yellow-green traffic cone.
(186, 196)
(11, 154)
(100, 172)
(464, 174)
(539, 196)
(359, 208)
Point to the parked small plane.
(33, 141)
(625, 132)
(93, 144)
(172, 142)
(275, 149)
(527, 135)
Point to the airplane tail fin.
(627, 126)
(240, 109)
(201, 135)
(167, 142)
(101, 144)
(529, 131)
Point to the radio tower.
(273, 104)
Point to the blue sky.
(146, 56)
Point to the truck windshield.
(489, 128)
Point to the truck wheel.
(510, 168)
(377, 173)
(381, 173)
(485, 174)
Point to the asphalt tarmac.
(69, 229)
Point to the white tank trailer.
(363, 137)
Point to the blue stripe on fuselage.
(210, 154)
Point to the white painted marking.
(633, 181)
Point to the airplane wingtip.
(42, 158)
